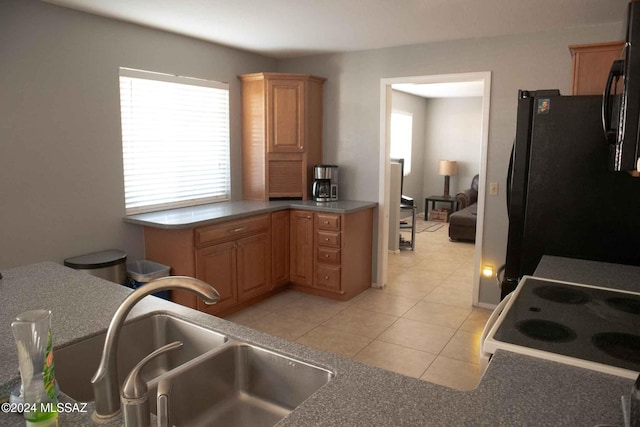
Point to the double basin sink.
(214, 379)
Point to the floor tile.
(450, 296)
(311, 310)
(476, 320)
(247, 315)
(453, 373)
(385, 303)
(438, 314)
(418, 335)
(408, 289)
(282, 326)
(361, 322)
(279, 300)
(334, 341)
(396, 358)
(463, 346)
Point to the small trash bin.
(109, 265)
(143, 271)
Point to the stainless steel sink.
(75, 364)
(239, 385)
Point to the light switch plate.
(493, 188)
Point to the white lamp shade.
(447, 167)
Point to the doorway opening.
(481, 79)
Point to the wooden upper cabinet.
(590, 66)
(285, 116)
(281, 134)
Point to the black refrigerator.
(562, 197)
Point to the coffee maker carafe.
(325, 183)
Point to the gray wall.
(412, 185)
(60, 156)
(352, 105)
(61, 184)
(453, 132)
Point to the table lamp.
(447, 168)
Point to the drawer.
(327, 277)
(230, 230)
(328, 238)
(328, 255)
(328, 221)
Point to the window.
(175, 141)
(401, 134)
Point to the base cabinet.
(280, 232)
(216, 265)
(247, 259)
(331, 253)
(301, 249)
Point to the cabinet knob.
(326, 239)
(326, 277)
(326, 222)
(308, 217)
(326, 256)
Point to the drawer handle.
(235, 230)
(308, 217)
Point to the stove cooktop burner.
(622, 346)
(628, 305)
(546, 330)
(587, 326)
(561, 294)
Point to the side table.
(453, 202)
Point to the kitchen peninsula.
(515, 390)
(249, 250)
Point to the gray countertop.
(515, 389)
(215, 212)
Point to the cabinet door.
(279, 248)
(285, 115)
(253, 266)
(591, 65)
(216, 265)
(301, 249)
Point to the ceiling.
(443, 90)
(292, 28)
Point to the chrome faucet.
(106, 390)
(135, 402)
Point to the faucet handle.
(134, 391)
(162, 403)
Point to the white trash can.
(144, 271)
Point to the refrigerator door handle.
(617, 70)
(510, 177)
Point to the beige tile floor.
(422, 324)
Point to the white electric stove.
(581, 325)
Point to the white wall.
(61, 184)
(453, 132)
(352, 105)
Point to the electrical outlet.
(493, 189)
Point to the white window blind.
(401, 138)
(175, 141)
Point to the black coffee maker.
(325, 183)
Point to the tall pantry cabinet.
(281, 134)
